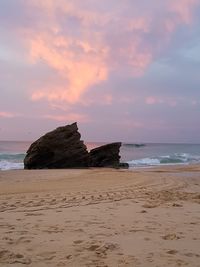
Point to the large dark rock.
(61, 148)
(105, 156)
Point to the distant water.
(137, 155)
(160, 154)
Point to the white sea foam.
(7, 165)
(11, 160)
(182, 158)
(143, 162)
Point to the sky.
(125, 70)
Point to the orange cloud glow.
(84, 59)
(79, 71)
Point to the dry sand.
(100, 217)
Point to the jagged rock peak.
(60, 148)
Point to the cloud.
(150, 100)
(153, 100)
(5, 114)
(80, 69)
(183, 10)
(127, 62)
(83, 45)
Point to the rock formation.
(105, 156)
(62, 148)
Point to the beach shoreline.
(100, 217)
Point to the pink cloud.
(154, 100)
(5, 114)
(79, 72)
(150, 100)
(182, 12)
(183, 9)
(108, 99)
(84, 59)
(89, 65)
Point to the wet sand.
(100, 217)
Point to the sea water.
(12, 154)
(160, 154)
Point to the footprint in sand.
(171, 237)
(9, 240)
(33, 214)
(102, 249)
(9, 257)
(190, 254)
(143, 211)
(69, 257)
(76, 242)
(172, 251)
(176, 205)
(93, 247)
(46, 255)
(149, 206)
(23, 240)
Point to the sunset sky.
(125, 70)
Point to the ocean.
(12, 154)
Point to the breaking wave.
(183, 158)
(11, 161)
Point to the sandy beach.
(100, 217)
